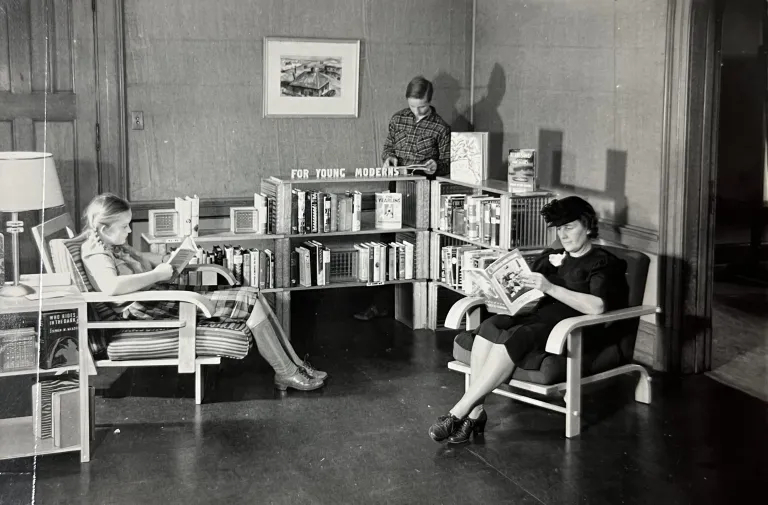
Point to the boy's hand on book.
(164, 272)
(535, 280)
(430, 166)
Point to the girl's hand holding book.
(164, 272)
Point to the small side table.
(17, 435)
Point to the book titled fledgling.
(389, 210)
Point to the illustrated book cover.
(59, 345)
(469, 157)
(521, 170)
(389, 210)
(500, 285)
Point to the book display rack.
(472, 224)
(57, 417)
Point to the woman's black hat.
(566, 210)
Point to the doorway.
(740, 292)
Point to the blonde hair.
(104, 210)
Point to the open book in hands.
(180, 258)
(500, 285)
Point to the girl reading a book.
(115, 268)
(579, 278)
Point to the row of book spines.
(380, 262)
(254, 267)
(45, 394)
(477, 218)
(319, 212)
(310, 265)
(454, 259)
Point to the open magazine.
(180, 258)
(499, 284)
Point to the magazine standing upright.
(518, 225)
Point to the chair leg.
(198, 383)
(466, 381)
(573, 386)
(643, 388)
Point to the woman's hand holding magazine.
(502, 286)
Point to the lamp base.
(15, 291)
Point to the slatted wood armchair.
(566, 369)
(180, 342)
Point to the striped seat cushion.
(213, 338)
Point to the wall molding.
(636, 237)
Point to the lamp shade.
(28, 181)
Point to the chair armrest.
(201, 302)
(212, 267)
(559, 334)
(460, 309)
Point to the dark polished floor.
(363, 438)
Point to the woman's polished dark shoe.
(467, 427)
(444, 427)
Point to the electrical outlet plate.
(137, 120)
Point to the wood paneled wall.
(194, 68)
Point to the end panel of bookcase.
(411, 304)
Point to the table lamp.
(28, 181)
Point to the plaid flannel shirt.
(414, 142)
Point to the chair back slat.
(69, 258)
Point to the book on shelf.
(469, 157)
(315, 211)
(389, 210)
(188, 210)
(500, 285)
(42, 402)
(65, 417)
(521, 170)
(59, 346)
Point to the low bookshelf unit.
(331, 224)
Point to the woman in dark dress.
(578, 279)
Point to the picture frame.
(311, 77)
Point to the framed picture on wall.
(311, 77)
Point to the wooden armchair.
(565, 374)
(181, 342)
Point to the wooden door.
(48, 101)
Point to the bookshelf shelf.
(41, 371)
(371, 231)
(448, 286)
(17, 435)
(465, 239)
(18, 440)
(497, 187)
(335, 285)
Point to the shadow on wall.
(487, 108)
(611, 203)
(447, 93)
